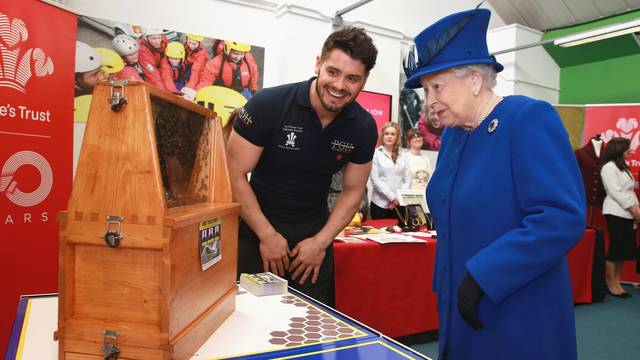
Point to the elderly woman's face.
(450, 97)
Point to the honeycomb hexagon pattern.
(316, 327)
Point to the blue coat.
(508, 205)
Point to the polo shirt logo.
(291, 139)
(342, 146)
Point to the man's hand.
(307, 258)
(274, 252)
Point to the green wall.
(614, 80)
(606, 71)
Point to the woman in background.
(389, 172)
(621, 210)
(419, 165)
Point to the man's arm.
(242, 158)
(309, 253)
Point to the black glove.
(469, 294)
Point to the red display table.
(388, 287)
(581, 266)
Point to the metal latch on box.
(113, 236)
(117, 99)
(110, 346)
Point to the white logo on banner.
(10, 187)
(626, 128)
(16, 67)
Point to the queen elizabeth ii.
(507, 200)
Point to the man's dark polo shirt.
(292, 177)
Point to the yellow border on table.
(346, 347)
(23, 333)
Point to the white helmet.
(152, 31)
(125, 45)
(87, 58)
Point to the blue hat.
(458, 39)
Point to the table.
(389, 287)
(580, 260)
(267, 327)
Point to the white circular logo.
(10, 186)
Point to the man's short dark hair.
(354, 42)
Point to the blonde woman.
(389, 172)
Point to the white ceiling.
(551, 14)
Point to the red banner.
(615, 121)
(378, 105)
(37, 46)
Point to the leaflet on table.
(390, 238)
(348, 239)
(422, 234)
(263, 283)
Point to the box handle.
(117, 99)
(110, 347)
(112, 235)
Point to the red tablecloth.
(388, 287)
(581, 266)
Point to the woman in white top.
(419, 166)
(389, 172)
(621, 211)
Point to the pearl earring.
(475, 93)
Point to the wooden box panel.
(159, 163)
(190, 286)
(118, 284)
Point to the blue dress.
(508, 205)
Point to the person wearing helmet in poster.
(173, 69)
(128, 48)
(88, 69)
(112, 63)
(220, 99)
(232, 70)
(195, 59)
(152, 48)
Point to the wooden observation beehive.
(152, 180)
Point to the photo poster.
(378, 105)
(209, 240)
(412, 115)
(222, 93)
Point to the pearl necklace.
(486, 109)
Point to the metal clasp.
(112, 235)
(117, 99)
(110, 346)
